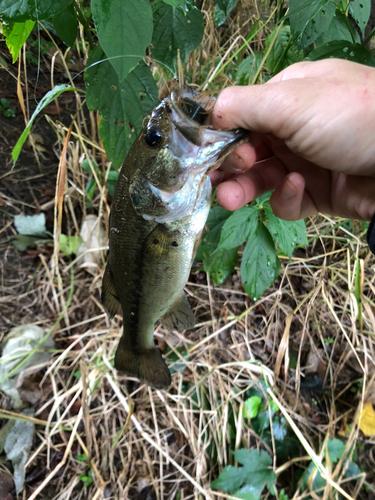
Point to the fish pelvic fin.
(110, 300)
(146, 365)
(179, 316)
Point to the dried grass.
(144, 444)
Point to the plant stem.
(82, 19)
(372, 33)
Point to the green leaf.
(220, 264)
(222, 11)
(352, 470)
(177, 363)
(260, 265)
(65, 24)
(339, 29)
(301, 13)
(49, 97)
(239, 227)
(286, 234)
(360, 10)
(251, 406)
(69, 245)
(89, 166)
(341, 49)
(336, 449)
(253, 475)
(174, 28)
(34, 10)
(279, 428)
(175, 3)
(16, 35)
(31, 225)
(122, 105)
(319, 25)
(211, 238)
(124, 30)
(248, 68)
(284, 52)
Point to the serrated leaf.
(301, 13)
(260, 265)
(252, 476)
(122, 105)
(215, 221)
(360, 10)
(283, 53)
(65, 24)
(339, 29)
(336, 449)
(248, 68)
(223, 8)
(286, 234)
(238, 227)
(49, 97)
(220, 264)
(251, 406)
(16, 35)
(124, 30)
(341, 49)
(31, 225)
(175, 28)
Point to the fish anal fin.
(179, 316)
(110, 299)
(146, 365)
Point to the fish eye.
(153, 137)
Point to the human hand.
(312, 141)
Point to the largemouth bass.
(159, 210)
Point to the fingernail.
(288, 192)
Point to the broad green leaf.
(279, 428)
(223, 8)
(124, 30)
(260, 265)
(343, 50)
(34, 10)
(352, 470)
(31, 225)
(177, 363)
(251, 407)
(248, 68)
(339, 29)
(252, 476)
(318, 25)
(16, 35)
(211, 238)
(336, 449)
(175, 3)
(286, 234)
(175, 28)
(65, 24)
(49, 97)
(22, 241)
(302, 12)
(239, 227)
(122, 105)
(220, 264)
(360, 10)
(283, 53)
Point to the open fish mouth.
(194, 147)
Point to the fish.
(158, 213)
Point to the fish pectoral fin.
(147, 365)
(110, 300)
(160, 242)
(179, 316)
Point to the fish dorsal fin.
(179, 316)
(110, 300)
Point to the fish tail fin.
(147, 365)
